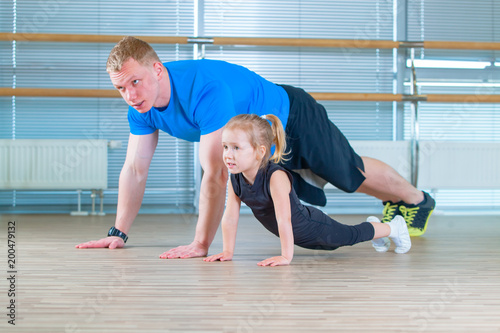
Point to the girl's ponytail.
(279, 138)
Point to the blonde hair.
(130, 47)
(261, 133)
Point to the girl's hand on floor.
(275, 261)
(221, 257)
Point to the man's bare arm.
(131, 187)
(212, 197)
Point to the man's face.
(138, 85)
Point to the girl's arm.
(280, 187)
(229, 226)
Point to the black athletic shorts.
(317, 144)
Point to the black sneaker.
(391, 210)
(417, 216)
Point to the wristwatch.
(115, 232)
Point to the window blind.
(317, 69)
(170, 182)
(464, 21)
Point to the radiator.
(441, 164)
(459, 165)
(27, 164)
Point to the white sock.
(380, 244)
(400, 235)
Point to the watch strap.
(116, 232)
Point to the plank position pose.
(194, 99)
(266, 188)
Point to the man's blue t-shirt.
(205, 94)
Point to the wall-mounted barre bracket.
(200, 40)
(411, 45)
(414, 98)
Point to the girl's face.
(239, 155)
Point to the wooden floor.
(448, 282)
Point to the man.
(193, 99)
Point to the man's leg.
(398, 195)
(384, 183)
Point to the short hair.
(130, 47)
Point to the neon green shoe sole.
(416, 232)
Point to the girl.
(265, 187)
